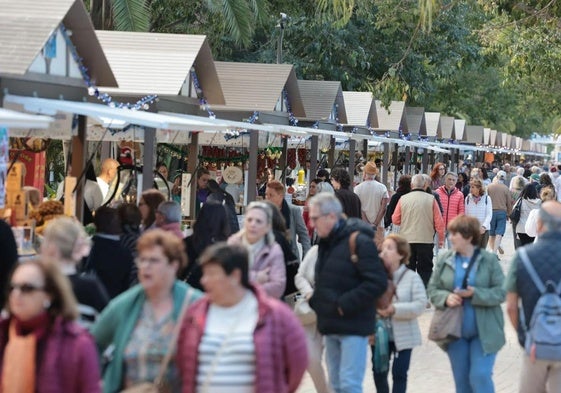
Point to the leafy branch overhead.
(494, 63)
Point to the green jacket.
(487, 297)
(117, 321)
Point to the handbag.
(301, 308)
(158, 385)
(516, 210)
(304, 312)
(446, 323)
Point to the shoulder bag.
(516, 210)
(159, 386)
(385, 299)
(446, 323)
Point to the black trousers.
(421, 260)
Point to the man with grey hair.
(168, 217)
(545, 257)
(345, 290)
(419, 218)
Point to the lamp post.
(282, 23)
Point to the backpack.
(543, 338)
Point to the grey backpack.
(543, 337)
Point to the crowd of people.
(251, 307)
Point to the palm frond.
(237, 18)
(259, 9)
(339, 11)
(131, 15)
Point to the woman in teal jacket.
(139, 323)
(472, 356)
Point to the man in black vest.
(545, 256)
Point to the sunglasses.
(25, 288)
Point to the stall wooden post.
(149, 161)
(385, 163)
(283, 160)
(314, 149)
(252, 168)
(79, 157)
(352, 150)
(331, 153)
(407, 163)
(191, 168)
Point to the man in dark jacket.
(537, 375)
(345, 291)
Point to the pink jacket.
(270, 256)
(452, 204)
(69, 363)
(280, 346)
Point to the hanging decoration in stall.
(200, 95)
(142, 104)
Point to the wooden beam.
(314, 150)
(149, 158)
(78, 163)
(252, 168)
(192, 165)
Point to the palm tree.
(124, 15)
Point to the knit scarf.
(18, 373)
(476, 199)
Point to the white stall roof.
(14, 119)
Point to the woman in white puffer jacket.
(401, 316)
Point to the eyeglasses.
(25, 288)
(150, 261)
(314, 219)
(441, 168)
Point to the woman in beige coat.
(401, 316)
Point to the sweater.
(69, 361)
(118, 320)
(487, 296)
(501, 197)
(409, 303)
(280, 345)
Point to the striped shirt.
(229, 330)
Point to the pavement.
(430, 368)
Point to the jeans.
(472, 368)
(346, 362)
(400, 366)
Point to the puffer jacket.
(269, 256)
(280, 345)
(452, 203)
(345, 292)
(409, 303)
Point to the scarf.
(253, 249)
(476, 199)
(19, 363)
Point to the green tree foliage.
(494, 63)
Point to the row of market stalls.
(150, 88)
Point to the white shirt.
(234, 369)
(103, 186)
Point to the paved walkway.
(430, 369)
